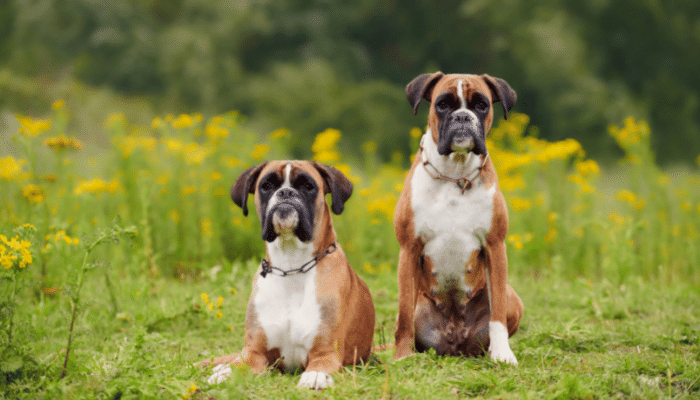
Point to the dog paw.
(220, 373)
(502, 353)
(315, 380)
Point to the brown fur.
(462, 322)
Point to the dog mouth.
(461, 140)
(285, 219)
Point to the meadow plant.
(112, 234)
(571, 220)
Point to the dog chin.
(285, 219)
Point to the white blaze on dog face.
(286, 200)
(460, 111)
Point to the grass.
(605, 262)
(578, 339)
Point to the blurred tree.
(307, 65)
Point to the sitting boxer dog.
(308, 308)
(451, 222)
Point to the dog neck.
(456, 165)
(287, 252)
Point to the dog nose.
(461, 116)
(285, 193)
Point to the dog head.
(290, 196)
(461, 108)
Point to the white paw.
(503, 353)
(499, 349)
(315, 380)
(220, 373)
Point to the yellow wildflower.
(115, 119)
(519, 204)
(127, 144)
(205, 297)
(33, 193)
(10, 168)
(14, 250)
(63, 142)
(325, 140)
(174, 215)
(182, 121)
(279, 133)
(230, 161)
(31, 127)
(215, 133)
(588, 167)
(345, 169)
(205, 226)
(511, 183)
(259, 151)
(58, 104)
(97, 186)
(416, 133)
(219, 314)
(616, 218)
(516, 241)
(157, 123)
(324, 146)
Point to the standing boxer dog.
(308, 308)
(451, 222)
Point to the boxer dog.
(451, 222)
(308, 308)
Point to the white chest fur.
(286, 306)
(452, 224)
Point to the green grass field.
(131, 263)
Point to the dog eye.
(482, 106)
(307, 186)
(442, 105)
(266, 186)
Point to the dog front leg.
(405, 325)
(496, 276)
(323, 361)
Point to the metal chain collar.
(464, 183)
(269, 269)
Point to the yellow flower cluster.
(631, 133)
(259, 151)
(383, 267)
(97, 186)
(33, 193)
(279, 133)
(127, 144)
(10, 169)
(627, 196)
(61, 142)
(519, 241)
(61, 236)
(185, 120)
(211, 304)
(324, 146)
(193, 152)
(31, 127)
(15, 251)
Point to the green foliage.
(577, 66)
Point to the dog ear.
(501, 91)
(244, 185)
(421, 88)
(337, 184)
